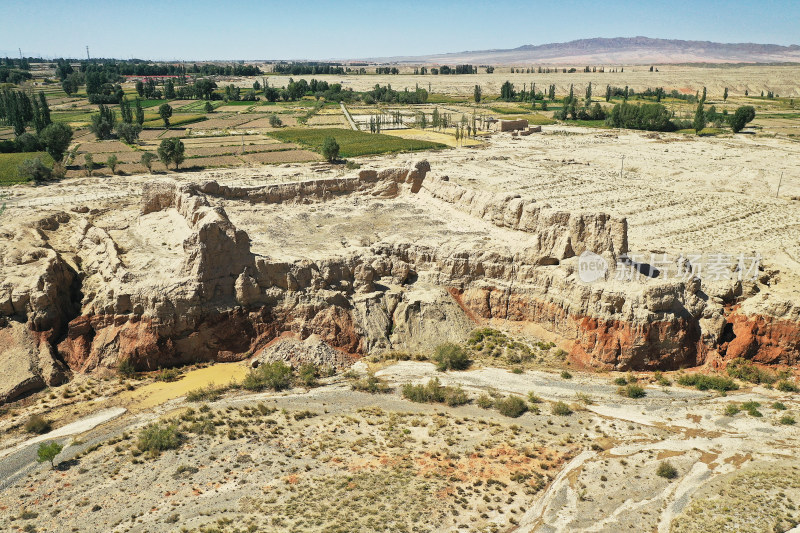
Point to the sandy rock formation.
(175, 281)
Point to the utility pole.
(20, 52)
(779, 185)
(621, 166)
(87, 53)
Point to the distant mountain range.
(618, 50)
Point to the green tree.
(103, 123)
(111, 163)
(725, 95)
(165, 111)
(742, 117)
(171, 151)
(169, 90)
(125, 111)
(699, 118)
(608, 93)
(147, 160)
(88, 162)
(330, 149)
(47, 452)
(140, 88)
(209, 107)
(703, 98)
(56, 138)
(34, 169)
(507, 91)
(477, 94)
(139, 112)
(275, 121)
(128, 132)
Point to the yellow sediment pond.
(157, 393)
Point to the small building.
(509, 125)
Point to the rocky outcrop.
(89, 303)
(557, 235)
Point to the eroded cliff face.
(175, 281)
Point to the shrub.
(47, 452)
(566, 375)
(752, 408)
(666, 470)
(276, 376)
(205, 394)
(746, 371)
(168, 375)
(449, 356)
(158, 437)
(275, 121)
(561, 409)
(704, 382)
(788, 420)
(37, 424)
(786, 386)
(484, 401)
(126, 368)
(631, 391)
(779, 406)
(620, 381)
(372, 384)
(307, 375)
(34, 169)
(435, 392)
(533, 397)
(511, 406)
(732, 409)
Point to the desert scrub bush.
(779, 406)
(732, 409)
(752, 408)
(168, 375)
(746, 371)
(435, 392)
(631, 391)
(372, 384)
(561, 409)
(511, 406)
(786, 386)
(158, 437)
(307, 375)
(565, 375)
(484, 401)
(533, 397)
(787, 420)
(276, 376)
(704, 382)
(666, 470)
(449, 356)
(37, 424)
(620, 381)
(209, 393)
(126, 368)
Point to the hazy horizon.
(353, 29)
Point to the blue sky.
(245, 29)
